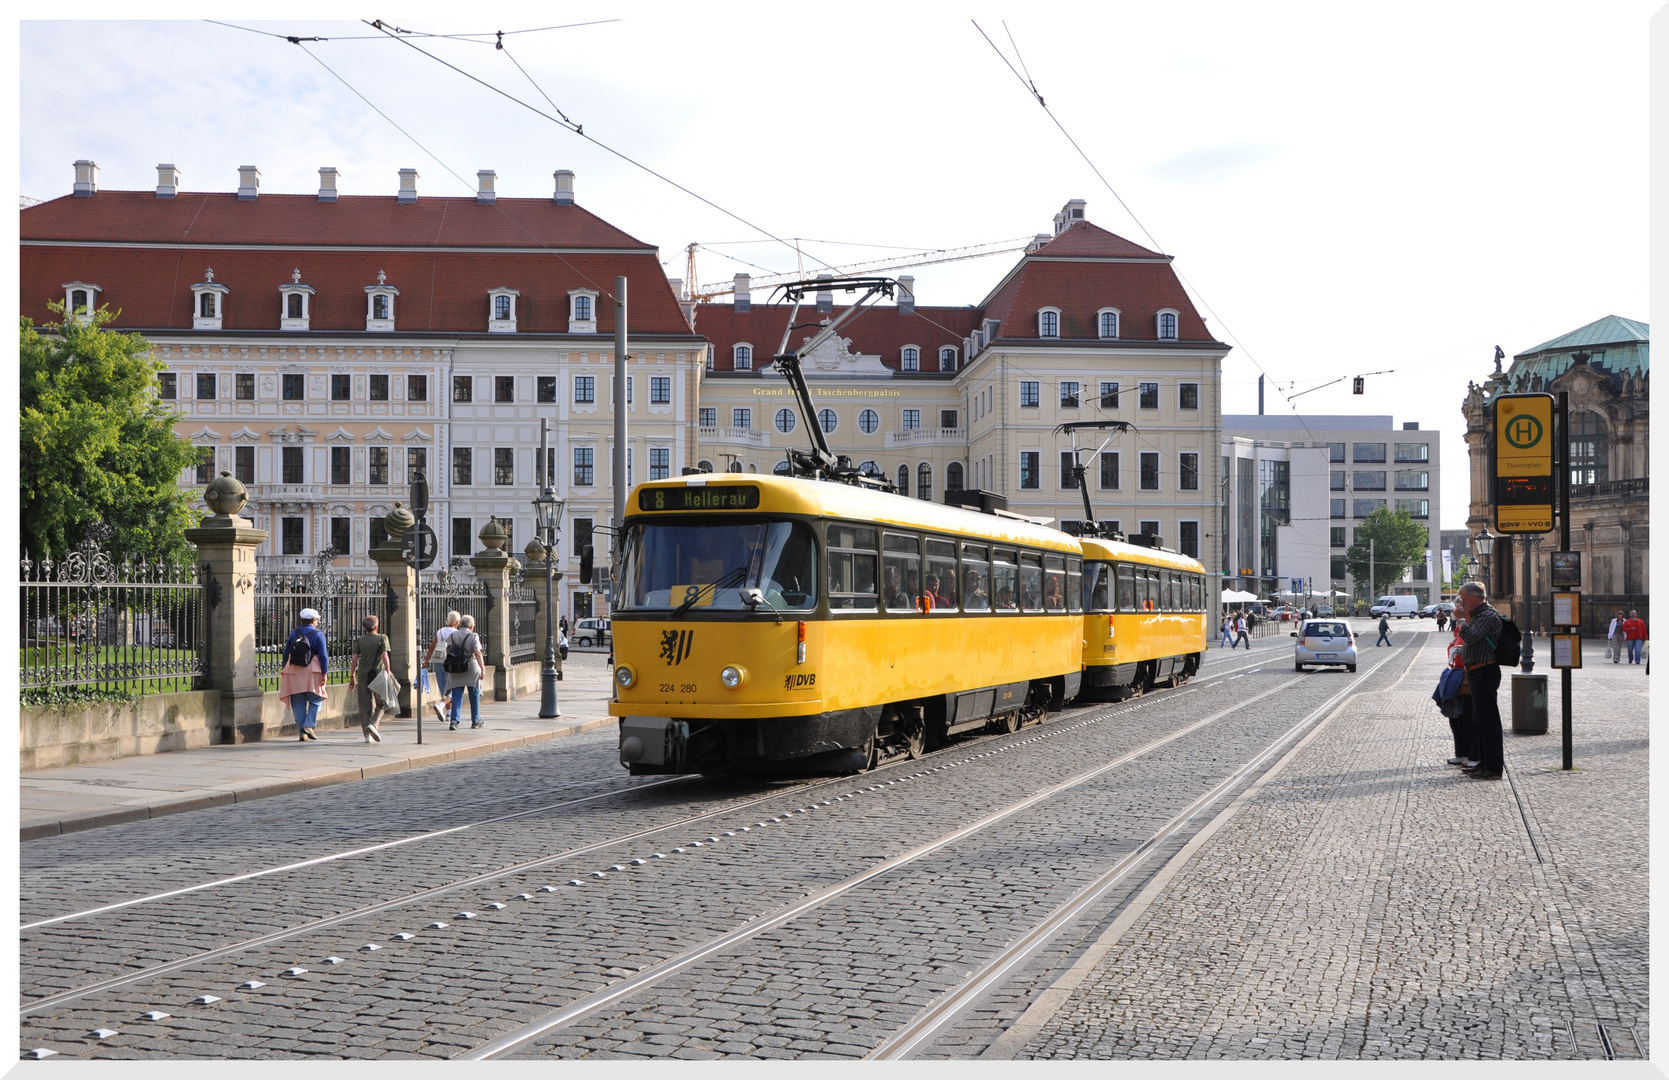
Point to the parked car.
(1396, 607)
(1323, 611)
(589, 632)
(1324, 643)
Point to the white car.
(1324, 643)
(1396, 607)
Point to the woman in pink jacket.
(302, 680)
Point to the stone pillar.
(400, 625)
(226, 547)
(492, 568)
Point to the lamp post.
(547, 510)
(419, 509)
(1484, 545)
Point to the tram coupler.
(653, 744)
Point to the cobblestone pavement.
(1369, 902)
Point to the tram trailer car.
(777, 624)
(1144, 618)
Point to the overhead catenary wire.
(483, 38)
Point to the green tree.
(97, 445)
(1399, 544)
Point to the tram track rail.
(1083, 716)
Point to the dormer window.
(743, 357)
(1167, 325)
(1049, 322)
(208, 302)
(582, 311)
(1106, 323)
(910, 359)
(501, 309)
(295, 303)
(379, 304)
(80, 300)
(947, 358)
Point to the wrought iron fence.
(93, 619)
(449, 592)
(524, 621)
(342, 603)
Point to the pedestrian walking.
(1240, 634)
(464, 665)
(1614, 638)
(564, 622)
(1460, 727)
(439, 666)
(1634, 631)
(1228, 632)
(370, 655)
(301, 682)
(1480, 629)
(1442, 620)
(1384, 632)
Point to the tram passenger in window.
(974, 587)
(912, 581)
(1054, 596)
(944, 590)
(894, 590)
(1005, 599)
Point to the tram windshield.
(1098, 586)
(705, 566)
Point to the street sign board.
(1523, 463)
(428, 546)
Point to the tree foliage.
(1399, 544)
(96, 443)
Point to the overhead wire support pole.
(621, 455)
(1562, 448)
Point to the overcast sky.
(1346, 189)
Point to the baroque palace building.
(1086, 326)
(1605, 367)
(320, 348)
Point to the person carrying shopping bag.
(464, 665)
(301, 682)
(371, 659)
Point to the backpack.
(457, 657)
(300, 652)
(1507, 649)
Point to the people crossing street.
(1384, 632)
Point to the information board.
(1567, 609)
(1523, 463)
(1567, 651)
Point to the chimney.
(825, 299)
(684, 300)
(1411, 425)
(327, 184)
(906, 295)
(167, 181)
(1070, 215)
(249, 183)
(564, 193)
(408, 185)
(86, 178)
(743, 296)
(484, 181)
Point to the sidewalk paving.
(77, 797)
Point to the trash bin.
(1529, 704)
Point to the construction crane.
(705, 293)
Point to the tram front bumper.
(658, 744)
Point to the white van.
(1392, 607)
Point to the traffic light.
(1356, 385)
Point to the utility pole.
(1563, 450)
(620, 484)
(1373, 586)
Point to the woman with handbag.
(301, 682)
(464, 665)
(373, 678)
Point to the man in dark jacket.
(1480, 631)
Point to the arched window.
(827, 420)
(947, 358)
(379, 305)
(1590, 449)
(78, 301)
(924, 481)
(744, 358)
(1106, 323)
(735, 466)
(294, 311)
(704, 465)
(911, 358)
(868, 421)
(582, 308)
(1049, 323)
(501, 307)
(785, 420)
(1167, 326)
(904, 479)
(781, 468)
(953, 476)
(872, 470)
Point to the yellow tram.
(1144, 617)
(771, 623)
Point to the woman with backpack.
(464, 665)
(301, 682)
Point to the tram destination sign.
(1523, 463)
(717, 497)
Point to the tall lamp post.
(547, 510)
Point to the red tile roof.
(1085, 240)
(882, 330)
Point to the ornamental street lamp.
(547, 510)
(1484, 545)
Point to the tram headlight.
(732, 676)
(625, 676)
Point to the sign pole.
(1564, 545)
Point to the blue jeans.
(305, 708)
(440, 677)
(1634, 648)
(474, 702)
(1385, 636)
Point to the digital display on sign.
(728, 497)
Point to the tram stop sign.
(428, 546)
(1523, 463)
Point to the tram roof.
(827, 498)
(1109, 549)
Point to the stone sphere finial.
(535, 551)
(226, 495)
(494, 535)
(399, 522)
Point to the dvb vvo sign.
(1523, 463)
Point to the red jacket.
(1634, 630)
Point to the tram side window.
(976, 578)
(941, 575)
(1098, 586)
(1194, 592)
(1177, 601)
(1074, 583)
(1005, 574)
(900, 571)
(1031, 581)
(1155, 591)
(1054, 582)
(852, 556)
(1127, 587)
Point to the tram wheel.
(1011, 722)
(915, 738)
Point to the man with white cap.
(301, 682)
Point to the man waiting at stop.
(1480, 630)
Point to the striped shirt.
(1480, 633)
